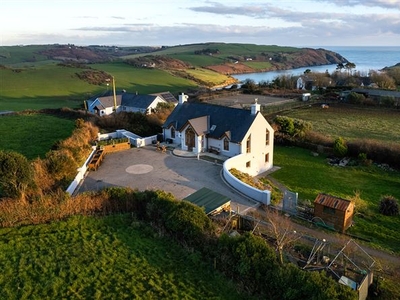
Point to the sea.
(365, 58)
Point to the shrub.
(15, 174)
(388, 206)
(340, 147)
(356, 98)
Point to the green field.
(33, 134)
(53, 86)
(351, 122)
(308, 175)
(103, 258)
(208, 76)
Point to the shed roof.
(332, 202)
(208, 199)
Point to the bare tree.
(281, 229)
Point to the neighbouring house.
(200, 127)
(304, 83)
(106, 104)
(335, 212)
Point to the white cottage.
(228, 131)
(107, 104)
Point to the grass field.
(257, 65)
(33, 134)
(308, 175)
(53, 86)
(351, 122)
(205, 75)
(102, 258)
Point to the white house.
(200, 127)
(107, 104)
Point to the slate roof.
(109, 101)
(225, 119)
(208, 199)
(332, 202)
(138, 101)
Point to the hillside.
(51, 74)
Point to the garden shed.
(335, 212)
(211, 201)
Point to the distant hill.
(220, 57)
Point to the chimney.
(182, 98)
(255, 107)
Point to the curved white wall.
(256, 194)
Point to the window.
(226, 144)
(172, 132)
(266, 137)
(248, 164)
(248, 144)
(267, 157)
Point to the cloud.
(370, 3)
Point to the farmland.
(351, 122)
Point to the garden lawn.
(308, 175)
(111, 257)
(33, 135)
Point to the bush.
(388, 206)
(340, 147)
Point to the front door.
(190, 138)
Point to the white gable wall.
(255, 162)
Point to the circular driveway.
(148, 169)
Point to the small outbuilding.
(335, 212)
(211, 201)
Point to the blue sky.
(172, 22)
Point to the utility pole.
(114, 95)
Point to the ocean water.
(365, 59)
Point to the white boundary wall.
(256, 194)
(81, 174)
(134, 139)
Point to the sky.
(299, 23)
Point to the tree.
(281, 229)
(15, 174)
(389, 206)
(349, 66)
(340, 147)
(340, 67)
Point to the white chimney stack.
(182, 98)
(255, 107)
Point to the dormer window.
(213, 127)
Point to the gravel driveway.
(148, 169)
